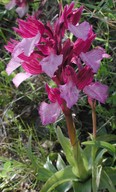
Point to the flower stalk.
(92, 104)
(94, 122)
(71, 128)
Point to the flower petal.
(12, 65)
(50, 63)
(49, 112)
(94, 57)
(81, 31)
(97, 91)
(69, 93)
(27, 46)
(20, 77)
(22, 10)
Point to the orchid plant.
(47, 48)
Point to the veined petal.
(20, 77)
(49, 112)
(12, 65)
(94, 57)
(84, 77)
(97, 91)
(11, 45)
(27, 46)
(81, 31)
(32, 67)
(50, 63)
(69, 93)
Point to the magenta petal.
(49, 112)
(22, 10)
(12, 65)
(94, 57)
(97, 91)
(81, 31)
(69, 93)
(20, 77)
(50, 63)
(10, 5)
(27, 46)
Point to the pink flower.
(94, 90)
(81, 31)
(26, 46)
(47, 115)
(30, 27)
(84, 77)
(44, 48)
(69, 91)
(94, 57)
(22, 8)
(97, 91)
(83, 46)
(50, 63)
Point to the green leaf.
(62, 176)
(87, 151)
(99, 157)
(60, 164)
(67, 148)
(111, 172)
(98, 175)
(64, 187)
(106, 137)
(49, 165)
(44, 174)
(74, 155)
(102, 144)
(106, 182)
(82, 187)
(81, 165)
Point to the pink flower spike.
(49, 112)
(10, 5)
(12, 65)
(81, 31)
(22, 10)
(97, 91)
(50, 63)
(20, 77)
(94, 57)
(69, 93)
(27, 46)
